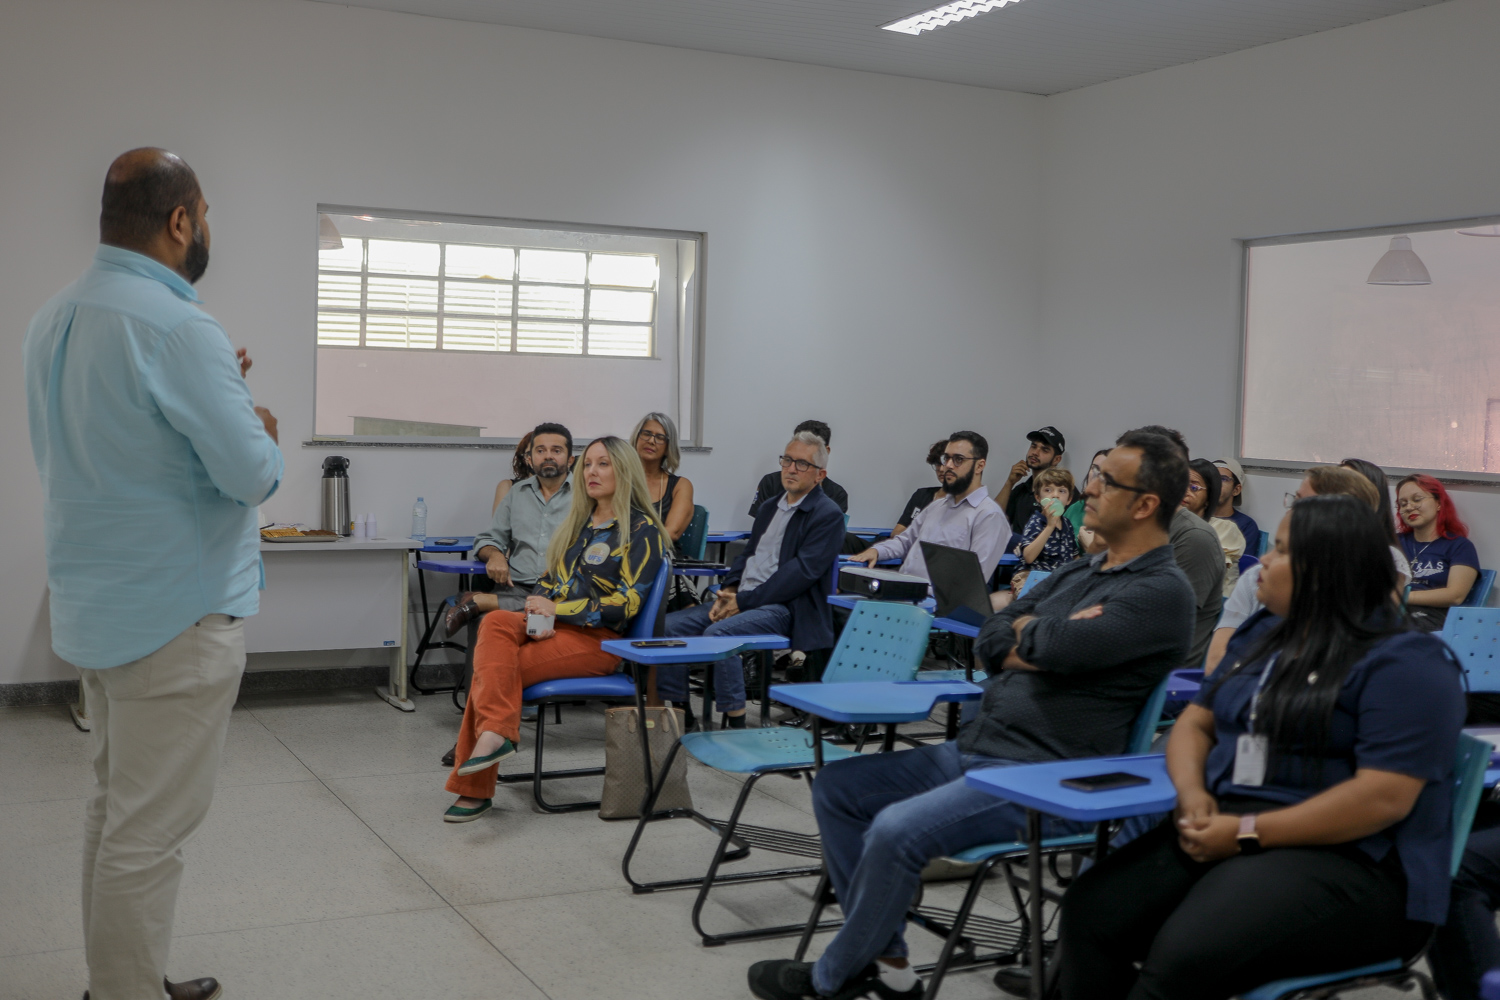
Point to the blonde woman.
(655, 441)
(600, 566)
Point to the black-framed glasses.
(653, 436)
(957, 461)
(1111, 483)
(788, 462)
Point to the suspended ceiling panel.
(1034, 46)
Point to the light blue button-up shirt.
(152, 461)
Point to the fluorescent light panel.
(948, 13)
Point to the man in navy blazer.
(778, 585)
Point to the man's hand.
(498, 569)
(726, 605)
(1019, 625)
(869, 557)
(1090, 612)
(243, 354)
(268, 421)
(1209, 838)
(1017, 473)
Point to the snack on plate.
(279, 532)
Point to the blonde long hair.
(631, 496)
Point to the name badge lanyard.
(1251, 750)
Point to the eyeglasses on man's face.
(652, 436)
(788, 462)
(957, 461)
(1111, 483)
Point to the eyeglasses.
(1111, 483)
(956, 461)
(652, 436)
(1413, 501)
(1196, 489)
(788, 462)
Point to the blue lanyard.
(1260, 686)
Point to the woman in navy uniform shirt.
(1312, 829)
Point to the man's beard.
(196, 261)
(959, 484)
(550, 470)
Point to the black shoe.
(464, 610)
(1015, 980)
(735, 721)
(448, 757)
(689, 720)
(783, 979)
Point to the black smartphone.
(658, 643)
(1104, 782)
(447, 541)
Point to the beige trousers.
(159, 726)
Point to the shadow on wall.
(38, 662)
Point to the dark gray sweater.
(1094, 674)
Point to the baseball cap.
(1051, 437)
(1232, 466)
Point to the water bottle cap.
(420, 500)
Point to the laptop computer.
(958, 583)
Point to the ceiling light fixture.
(1399, 266)
(948, 13)
(328, 234)
(1480, 231)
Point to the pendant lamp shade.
(1399, 266)
(1481, 231)
(328, 234)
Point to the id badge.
(1250, 760)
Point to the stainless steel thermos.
(336, 515)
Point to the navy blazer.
(804, 575)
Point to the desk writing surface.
(956, 627)
(1036, 787)
(848, 601)
(342, 545)
(856, 702)
(699, 648)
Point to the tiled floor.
(324, 870)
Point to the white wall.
(872, 241)
(1152, 178)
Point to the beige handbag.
(624, 770)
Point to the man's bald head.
(142, 190)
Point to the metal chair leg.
(536, 775)
(955, 935)
(822, 896)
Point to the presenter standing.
(153, 459)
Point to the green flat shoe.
(458, 814)
(475, 764)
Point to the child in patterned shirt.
(1047, 542)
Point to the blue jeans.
(1468, 946)
(883, 817)
(729, 673)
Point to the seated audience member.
(1074, 513)
(926, 494)
(1320, 480)
(1048, 542)
(778, 585)
(655, 440)
(1196, 546)
(520, 468)
(1231, 488)
(514, 546)
(1002, 599)
(1203, 498)
(1378, 479)
(1444, 563)
(1468, 946)
(769, 488)
(600, 566)
(965, 518)
(1015, 497)
(1071, 664)
(1312, 830)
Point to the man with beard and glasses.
(965, 517)
(153, 458)
(514, 547)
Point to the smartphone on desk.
(1104, 782)
(658, 643)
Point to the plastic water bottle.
(419, 520)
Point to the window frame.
(1288, 467)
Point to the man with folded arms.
(153, 459)
(779, 584)
(1074, 662)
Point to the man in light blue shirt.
(153, 459)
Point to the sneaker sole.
(476, 768)
(466, 819)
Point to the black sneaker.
(735, 721)
(1014, 980)
(783, 979)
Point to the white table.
(348, 594)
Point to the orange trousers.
(506, 660)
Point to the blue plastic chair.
(882, 641)
(616, 687)
(1009, 938)
(463, 569)
(1468, 778)
(1474, 636)
(1480, 592)
(694, 541)
(1247, 561)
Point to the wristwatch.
(1249, 837)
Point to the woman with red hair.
(1444, 563)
